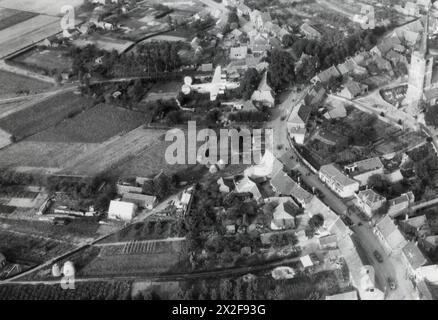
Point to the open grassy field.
(93, 125)
(49, 60)
(11, 84)
(27, 33)
(30, 249)
(10, 17)
(48, 7)
(43, 115)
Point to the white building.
(264, 95)
(297, 121)
(121, 210)
(338, 181)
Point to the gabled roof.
(369, 197)
(406, 197)
(282, 183)
(366, 165)
(391, 233)
(147, 199)
(432, 240)
(247, 185)
(328, 74)
(355, 88)
(334, 173)
(415, 222)
(308, 29)
(263, 85)
(414, 255)
(300, 114)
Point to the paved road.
(392, 266)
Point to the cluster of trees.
(426, 170)
(149, 60)
(315, 222)
(282, 239)
(248, 116)
(160, 186)
(431, 115)
(249, 83)
(360, 132)
(282, 73)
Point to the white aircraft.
(217, 86)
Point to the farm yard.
(27, 33)
(43, 115)
(12, 84)
(83, 129)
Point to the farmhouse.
(370, 201)
(389, 235)
(326, 75)
(120, 210)
(338, 181)
(246, 185)
(364, 169)
(141, 200)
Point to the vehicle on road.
(378, 256)
(391, 283)
(347, 220)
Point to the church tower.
(420, 74)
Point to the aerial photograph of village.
(218, 150)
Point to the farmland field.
(11, 83)
(93, 125)
(103, 290)
(10, 17)
(44, 114)
(27, 33)
(130, 264)
(48, 7)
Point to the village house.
(283, 216)
(297, 121)
(338, 181)
(259, 19)
(243, 10)
(350, 66)
(281, 183)
(237, 53)
(413, 258)
(352, 89)
(258, 44)
(121, 210)
(326, 75)
(430, 243)
(264, 95)
(315, 96)
(140, 200)
(395, 58)
(246, 185)
(225, 185)
(370, 201)
(362, 170)
(400, 204)
(417, 226)
(385, 46)
(389, 235)
(310, 32)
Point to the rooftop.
(369, 196)
(391, 233)
(414, 255)
(334, 173)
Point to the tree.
(281, 70)
(249, 83)
(431, 116)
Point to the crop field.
(94, 125)
(114, 152)
(27, 33)
(43, 115)
(48, 7)
(48, 60)
(11, 84)
(45, 157)
(170, 254)
(96, 290)
(10, 17)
